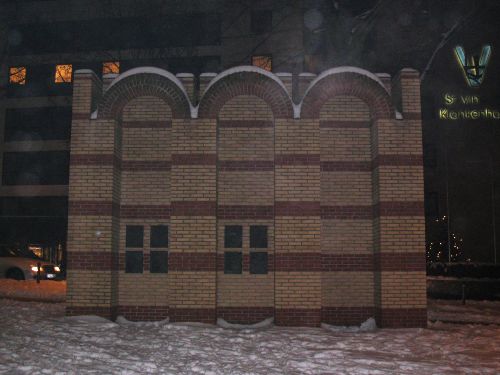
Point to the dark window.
(232, 262)
(233, 236)
(158, 262)
(35, 168)
(134, 236)
(261, 21)
(258, 236)
(33, 124)
(159, 236)
(133, 261)
(258, 263)
(430, 156)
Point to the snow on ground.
(481, 312)
(29, 290)
(37, 338)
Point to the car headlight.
(35, 268)
(57, 269)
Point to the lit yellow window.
(264, 62)
(17, 75)
(111, 67)
(63, 73)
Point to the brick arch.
(246, 81)
(362, 86)
(138, 82)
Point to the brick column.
(297, 223)
(93, 205)
(399, 222)
(192, 264)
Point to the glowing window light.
(264, 62)
(63, 73)
(17, 75)
(111, 67)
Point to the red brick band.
(297, 208)
(412, 116)
(298, 317)
(145, 165)
(81, 116)
(145, 212)
(143, 313)
(245, 315)
(193, 208)
(399, 209)
(193, 262)
(147, 124)
(401, 318)
(105, 312)
(346, 166)
(333, 124)
(346, 316)
(298, 262)
(93, 159)
(201, 315)
(297, 159)
(347, 262)
(347, 212)
(246, 165)
(405, 160)
(246, 261)
(245, 124)
(194, 159)
(93, 208)
(245, 212)
(92, 261)
(406, 262)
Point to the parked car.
(22, 264)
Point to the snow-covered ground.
(37, 338)
(30, 290)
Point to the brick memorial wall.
(243, 205)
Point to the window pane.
(261, 21)
(134, 236)
(111, 67)
(35, 168)
(264, 62)
(63, 73)
(258, 236)
(159, 236)
(233, 235)
(158, 262)
(17, 75)
(133, 261)
(45, 123)
(258, 262)
(232, 262)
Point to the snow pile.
(36, 338)
(122, 320)
(29, 290)
(263, 324)
(367, 326)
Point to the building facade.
(234, 201)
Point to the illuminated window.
(17, 75)
(264, 62)
(112, 67)
(63, 73)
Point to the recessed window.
(17, 75)
(258, 236)
(158, 262)
(133, 261)
(258, 263)
(263, 62)
(134, 236)
(111, 67)
(233, 236)
(232, 262)
(64, 73)
(261, 21)
(159, 236)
